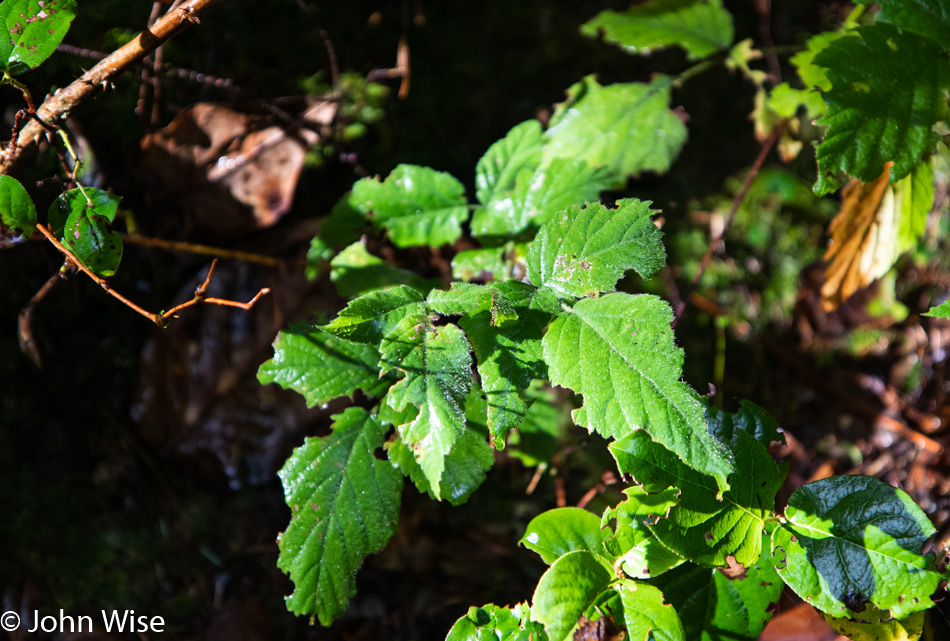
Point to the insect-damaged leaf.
(699, 527)
(850, 540)
(494, 623)
(618, 352)
(32, 30)
(585, 251)
(84, 218)
(345, 505)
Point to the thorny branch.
(161, 318)
(56, 107)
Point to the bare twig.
(25, 321)
(56, 107)
(161, 318)
(207, 250)
(736, 203)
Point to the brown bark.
(56, 107)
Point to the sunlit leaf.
(618, 352)
(701, 27)
(850, 540)
(35, 28)
(345, 505)
(626, 128)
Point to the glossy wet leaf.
(87, 229)
(538, 195)
(321, 366)
(436, 364)
(356, 272)
(714, 607)
(494, 623)
(641, 553)
(416, 205)
(17, 213)
(750, 418)
(465, 465)
(618, 352)
(849, 540)
(509, 354)
(567, 589)
(370, 317)
(627, 128)
(701, 27)
(32, 30)
(585, 251)
(646, 614)
(701, 528)
(929, 18)
(888, 90)
(345, 505)
(554, 533)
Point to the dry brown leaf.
(220, 162)
(864, 240)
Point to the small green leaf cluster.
(698, 548)
(682, 559)
(80, 218)
(883, 91)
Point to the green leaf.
(538, 195)
(785, 100)
(701, 528)
(36, 28)
(554, 533)
(914, 196)
(370, 317)
(567, 589)
(469, 299)
(355, 272)
(321, 366)
(341, 227)
(17, 213)
(509, 355)
(416, 205)
(714, 607)
(437, 365)
(930, 18)
(493, 263)
(345, 505)
(586, 251)
(535, 441)
(497, 170)
(646, 615)
(87, 230)
(626, 128)
(643, 556)
(465, 465)
(750, 418)
(618, 352)
(888, 90)
(853, 539)
(700, 27)
(940, 311)
(494, 623)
